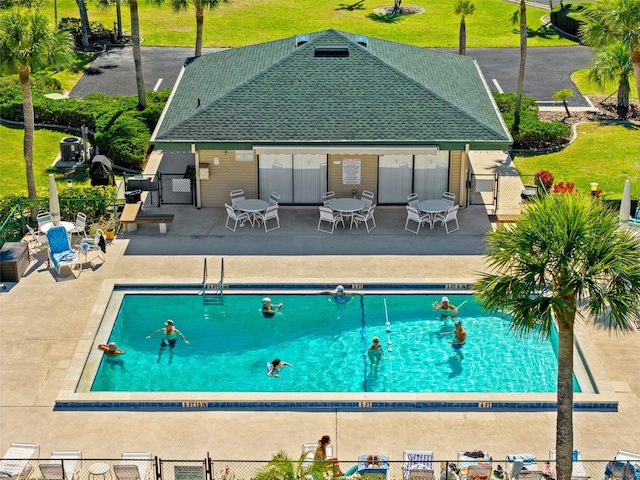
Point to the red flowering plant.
(562, 187)
(546, 177)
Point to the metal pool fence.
(288, 468)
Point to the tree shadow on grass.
(544, 31)
(352, 7)
(384, 18)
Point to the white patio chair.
(134, 466)
(37, 239)
(235, 216)
(80, 225)
(367, 198)
(271, 213)
(413, 201)
(274, 198)
(413, 215)
(236, 195)
(96, 245)
(449, 197)
(364, 216)
(448, 216)
(329, 216)
(42, 219)
(328, 197)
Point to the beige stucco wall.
(368, 175)
(228, 175)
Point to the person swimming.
(375, 352)
(111, 351)
(274, 367)
(448, 310)
(267, 309)
(459, 339)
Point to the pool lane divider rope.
(389, 343)
(364, 344)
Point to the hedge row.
(533, 132)
(122, 132)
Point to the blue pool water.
(327, 343)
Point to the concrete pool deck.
(42, 323)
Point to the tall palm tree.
(137, 54)
(611, 21)
(565, 258)
(200, 6)
(107, 3)
(520, 16)
(85, 29)
(464, 8)
(28, 44)
(613, 64)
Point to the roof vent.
(302, 39)
(362, 40)
(331, 51)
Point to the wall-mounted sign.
(351, 170)
(244, 155)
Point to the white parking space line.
(155, 89)
(495, 82)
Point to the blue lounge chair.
(60, 252)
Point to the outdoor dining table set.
(431, 211)
(252, 210)
(353, 210)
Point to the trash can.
(133, 196)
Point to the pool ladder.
(213, 293)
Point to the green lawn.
(590, 88)
(245, 22)
(603, 153)
(46, 147)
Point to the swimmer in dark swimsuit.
(338, 295)
(459, 339)
(111, 351)
(267, 309)
(169, 339)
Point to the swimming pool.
(230, 345)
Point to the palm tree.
(611, 21)
(520, 16)
(199, 6)
(565, 257)
(137, 54)
(28, 44)
(108, 3)
(281, 467)
(464, 8)
(562, 95)
(84, 23)
(613, 64)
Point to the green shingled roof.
(280, 93)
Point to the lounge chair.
(619, 470)
(624, 455)
(523, 466)
(578, 471)
(133, 466)
(60, 252)
(15, 463)
(311, 447)
(188, 472)
(373, 466)
(63, 465)
(418, 465)
(471, 464)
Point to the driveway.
(548, 70)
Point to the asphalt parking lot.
(548, 70)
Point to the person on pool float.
(321, 456)
(375, 352)
(448, 310)
(267, 309)
(459, 339)
(275, 366)
(111, 351)
(169, 338)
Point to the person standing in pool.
(169, 339)
(459, 339)
(375, 352)
(448, 310)
(267, 309)
(111, 351)
(338, 295)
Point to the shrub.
(562, 187)
(568, 17)
(546, 177)
(126, 142)
(507, 102)
(98, 33)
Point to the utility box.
(71, 149)
(204, 171)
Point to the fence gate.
(482, 189)
(178, 188)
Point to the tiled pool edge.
(69, 399)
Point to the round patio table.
(347, 206)
(432, 207)
(68, 226)
(252, 206)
